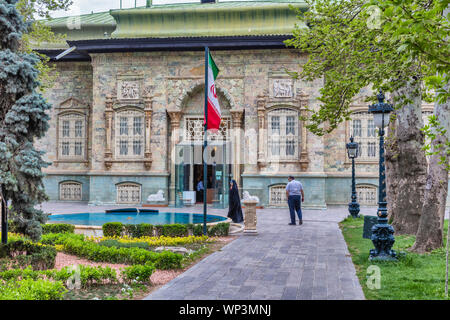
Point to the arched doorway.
(189, 153)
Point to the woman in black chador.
(234, 209)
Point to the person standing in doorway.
(295, 195)
(200, 189)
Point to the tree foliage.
(23, 119)
(34, 11)
(353, 44)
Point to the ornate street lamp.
(382, 233)
(352, 151)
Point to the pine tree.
(23, 119)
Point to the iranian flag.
(214, 114)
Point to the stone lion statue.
(247, 196)
(159, 196)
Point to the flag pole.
(205, 142)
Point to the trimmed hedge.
(40, 257)
(112, 229)
(118, 229)
(95, 252)
(58, 228)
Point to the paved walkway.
(310, 261)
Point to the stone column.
(108, 127)
(261, 107)
(236, 115)
(175, 117)
(250, 217)
(304, 160)
(148, 109)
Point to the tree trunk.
(406, 166)
(430, 232)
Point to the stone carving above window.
(128, 90)
(282, 88)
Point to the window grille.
(128, 193)
(367, 195)
(194, 130)
(363, 129)
(278, 195)
(130, 134)
(282, 139)
(70, 191)
(72, 136)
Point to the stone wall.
(174, 81)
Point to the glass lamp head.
(352, 149)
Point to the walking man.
(295, 195)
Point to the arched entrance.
(187, 160)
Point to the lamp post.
(4, 217)
(352, 151)
(382, 233)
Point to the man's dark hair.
(291, 177)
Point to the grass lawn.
(414, 276)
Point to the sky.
(88, 6)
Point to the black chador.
(234, 209)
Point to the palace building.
(128, 101)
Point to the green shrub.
(140, 273)
(118, 244)
(159, 230)
(146, 230)
(219, 230)
(112, 229)
(96, 275)
(174, 230)
(95, 252)
(168, 260)
(40, 257)
(29, 289)
(58, 228)
(59, 238)
(197, 230)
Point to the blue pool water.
(98, 219)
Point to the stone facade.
(167, 88)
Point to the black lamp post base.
(353, 208)
(383, 240)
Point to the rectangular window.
(275, 148)
(137, 147)
(137, 125)
(123, 146)
(370, 128)
(371, 149)
(275, 125)
(78, 148)
(123, 123)
(290, 125)
(357, 128)
(78, 128)
(290, 148)
(66, 128)
(65, 150)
